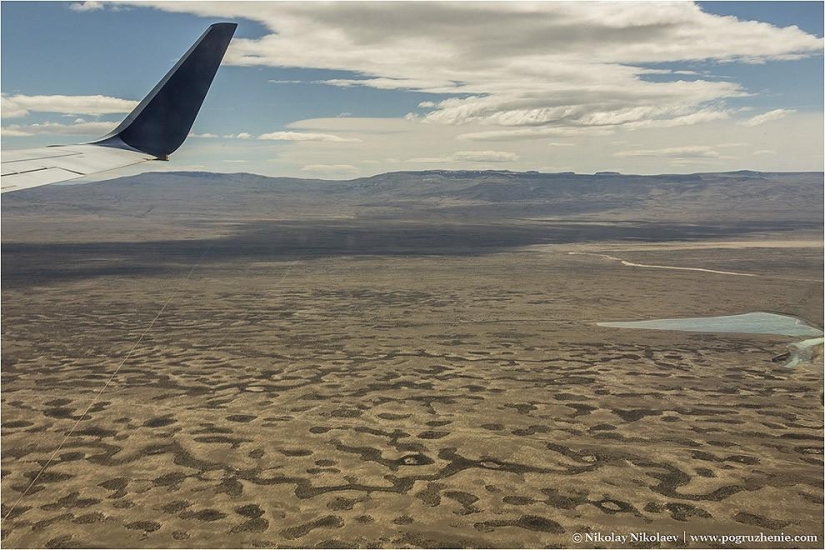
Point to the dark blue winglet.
(161, 122)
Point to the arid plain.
(410, 360)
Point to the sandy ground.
(407, 400)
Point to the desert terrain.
(409, 360)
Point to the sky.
(350, 89)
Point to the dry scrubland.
(406, 360)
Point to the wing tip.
(161, 122)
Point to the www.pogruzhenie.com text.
(688, 538)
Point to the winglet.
(161, 122)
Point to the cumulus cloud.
(304, 136)
(525, 76)
(86, 6)
(11, 109)
(17, 106)
(776, 114)
(94, 6)
(523, 65)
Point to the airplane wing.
(152, 131)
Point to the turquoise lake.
(749, 323)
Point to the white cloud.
(304, 136)
(431, 160)
(17, 106)
(469, 156)
(388, 83)
(776, 114)
(533, 133)
(521, 77)
(688, 152)
(15, 131)
(95, 6)
(524, 65)
(86, 6)
(697, 117)
(393, 144)
(209, 135)
(764, 152)
(485, 156)
(82, 128)
(11, 109)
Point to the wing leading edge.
(152, 131)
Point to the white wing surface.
(34, 167)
